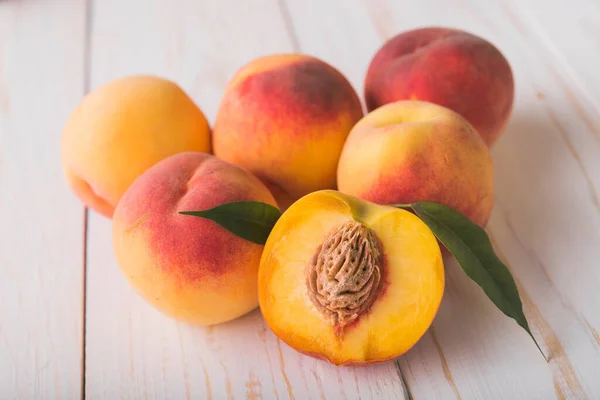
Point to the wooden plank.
(132, 350)
(569, 33)
(545, 222)
(42, 229)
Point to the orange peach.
(285, 118)
(411, 151)
(123, 128)
(449, 67)
(188, 267)
(349, 281)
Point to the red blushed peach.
(188, 267)
(285, 118)
(411, 151)
(448, 67)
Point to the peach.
(448, 67)
(189, 268)
(285, 118)
(411, 151)
(121, 129)
(350, 281)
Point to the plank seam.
(289, 25)
(405, 388)
(88, 18)
(84, 301)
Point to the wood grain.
(41, 251)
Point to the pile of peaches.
(343, 276)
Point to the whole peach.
(449, 67)
(411, 151)
(121, 129)
(285, 118)
(188, 267)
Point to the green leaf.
(250, 220)
(473, 250)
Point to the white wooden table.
(70, 326)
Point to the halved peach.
(350, 281)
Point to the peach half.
(350, 281)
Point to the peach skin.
(121, 129)
(411, 151)
(285, 118)
(448, 67)
(189, 268)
